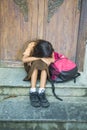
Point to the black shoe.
(43, 101)
(34, 100)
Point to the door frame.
(82, 36)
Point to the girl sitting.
(37, 58)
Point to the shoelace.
(34, 96)
(42, 96)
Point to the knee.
(35, 70)
(44, 72)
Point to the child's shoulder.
(29, 48)
(31, 44)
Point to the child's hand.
(48, 61)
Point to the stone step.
(12, 84)
(17, 114)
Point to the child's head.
(43, 49)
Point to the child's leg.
(34, 78)
(43, 79)
(33, 94)
(42, 97)
(39, 98)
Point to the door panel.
(61, 31)
(82, 36)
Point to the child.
(36, 58)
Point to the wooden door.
(25, 20)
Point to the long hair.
(43, 49)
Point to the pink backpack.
(62, 70)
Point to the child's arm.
(48, 61)
(27, 59)
(26, 55)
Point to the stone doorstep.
(17, 113)
(20, 109)
(12, 84)
(64, 92)
(42, 126)
(13, 77)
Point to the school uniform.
(38, 64)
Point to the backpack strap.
(78, 74)
(53, 86)
(53, 90)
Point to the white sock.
(32, 90)
(41, 90)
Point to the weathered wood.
(14, 31)
(82, 36)
(0, 30)
(40, 19)
(34, 18)
(62, 30)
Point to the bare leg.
(42, 97)
(34, 100)
(43, 79)
(34, 78)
